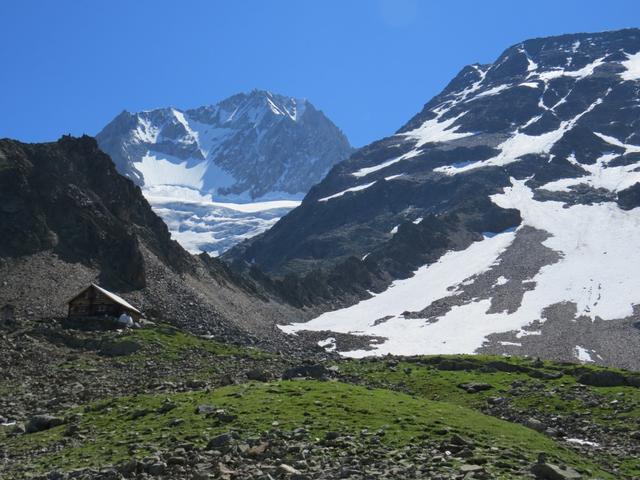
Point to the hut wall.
(93, 303)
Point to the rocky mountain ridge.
(512, 195)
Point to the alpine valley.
(221, 173)
(457, 301)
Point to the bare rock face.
(66, 196)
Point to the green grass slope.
(115, 430)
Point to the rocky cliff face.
(67, 197)
(67, 218)
(509, 199)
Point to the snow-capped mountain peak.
(247, 146)
(251, 147)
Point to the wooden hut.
(95, 301)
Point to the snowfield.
(428, 284)
(199, 223)
(168, 170)
(597, 271)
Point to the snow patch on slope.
(583, 354)
(493, 91)
(436, 130)
(168, 170)
(352, 189)
(600, 175)
(521, 144)
(599, 255)
(429, 283)
(363, 172)
(632, 66)
(584, 72)
(596, 272)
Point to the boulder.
(220, 441)
(502, 366)
(225, 417)
(130, 468)
(535, 424)
(205, 409)
(156, 469)
(176, 460)
(475, 387)
(459, 440)
(634, 380)
(456, 364)
(332, 436)
(18, 429)
(543, 375)
(167, 406)
(258, 450)
(604, 378)
(316, 371)
(548, 471)
(259, 375)
(288, 469)
(38, 423)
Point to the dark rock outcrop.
(66, 196)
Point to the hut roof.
(119, 300)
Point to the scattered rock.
(548, 471)
(475, 387)
(205, 409)
(315, 371)
(535, 424)
(220, 441)
(157, 468)
(259, 375)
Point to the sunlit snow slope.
(257, 148)
(550, 132)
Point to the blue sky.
(71, 66)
